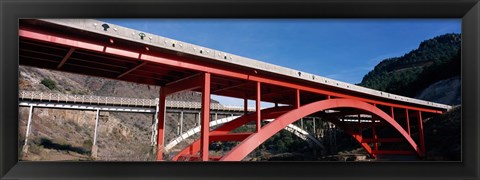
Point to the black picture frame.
(11, 11)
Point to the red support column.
(374, 131)
(375, 137)
(257, 107)
(245, 105)
(161, 124)
(297, 99)
(205, 123)
(420, 132)
(408, 121)
(392, 113)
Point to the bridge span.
(96, 48)
(36, 99)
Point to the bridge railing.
(85, 99)
(122, 101)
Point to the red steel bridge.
(96, 48)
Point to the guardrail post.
(27, 131)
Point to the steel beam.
(67, 56)
(245, 105)
(131, 70)
(392, 112)
(420, 131)
(205, 125)
(407, 121)
(161, 124)
(375, 138)
(257, 107)
(185, 84)
(297, 99)
(230, 87)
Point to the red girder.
(205, 125)
(253, 141)
(161, 124)
(182, 62)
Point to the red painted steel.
(392, 112)
(67, 56)
(205, 127)
(257, 107)
(245, 105)
(408, 121)
(161, 124)
(297, 98)
(375, 137)
(188, 83)
(253, 141)
(420, 129)
(182, 62)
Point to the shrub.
(50, 84)
(87, 143)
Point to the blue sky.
(341, 49)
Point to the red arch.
(254, 140)
(268, 113)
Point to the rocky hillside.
(435, 60)
(447, 91)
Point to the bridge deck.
(85, 47)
